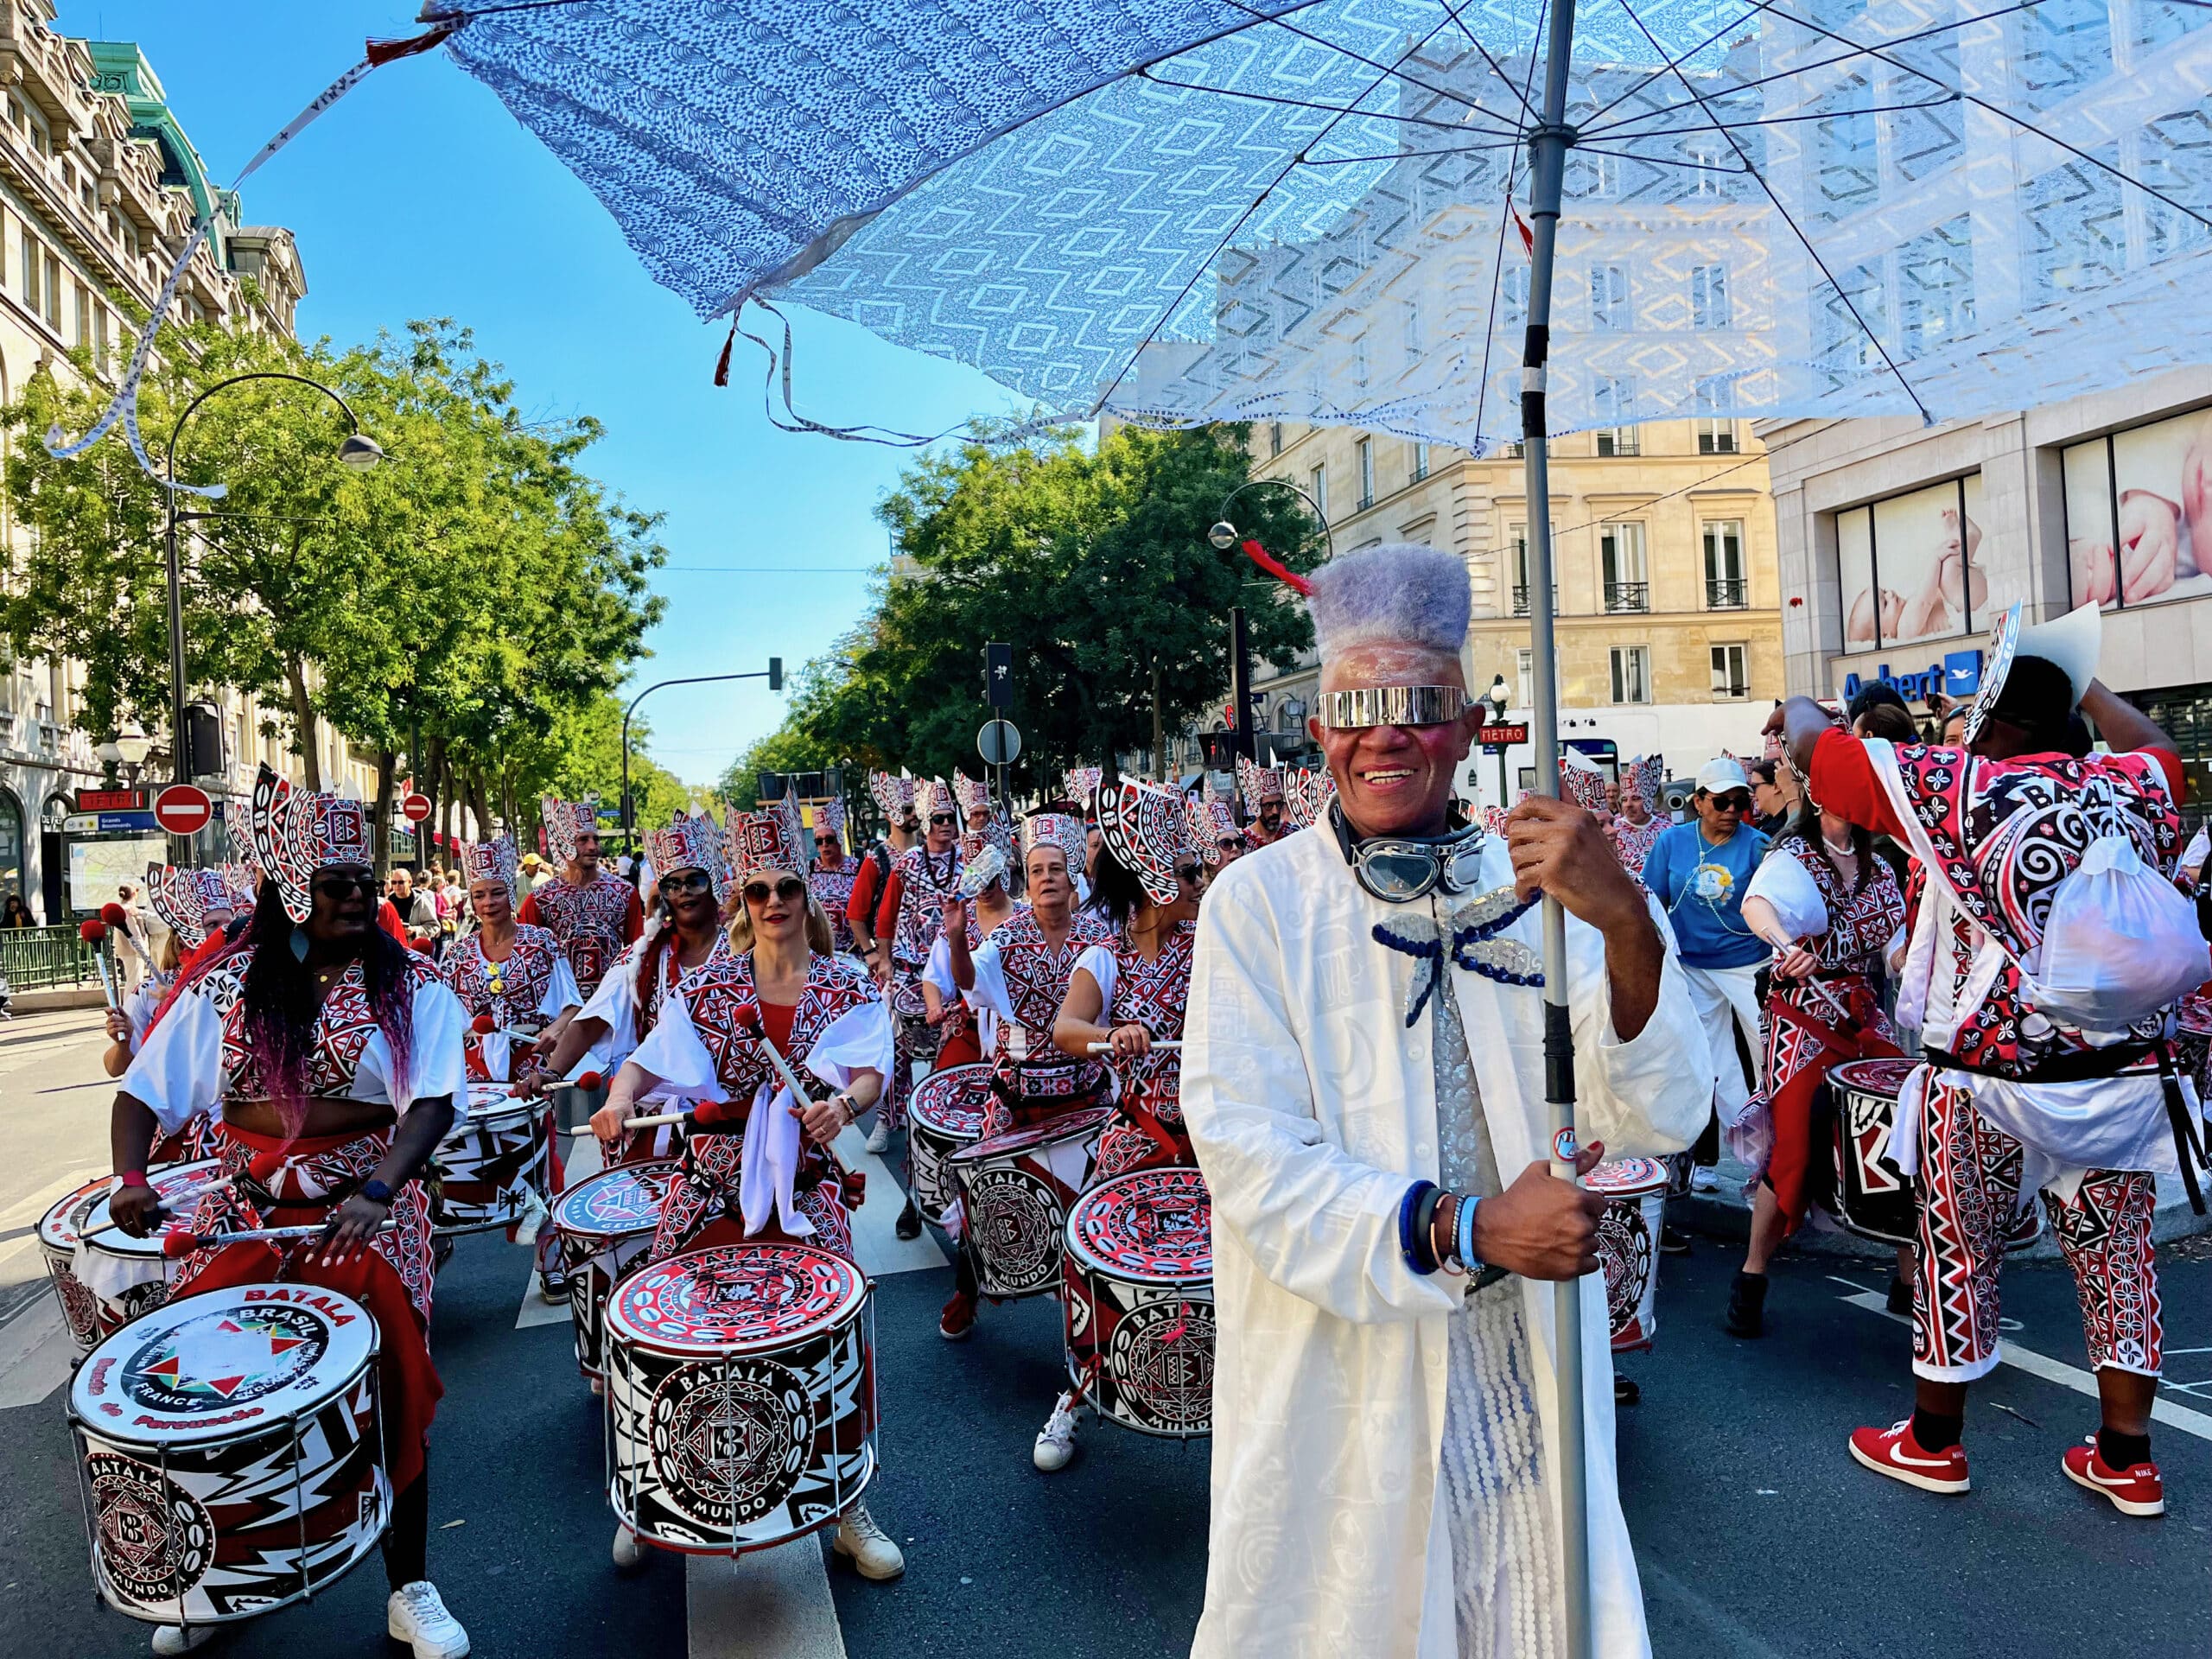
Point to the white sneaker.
(1703, 1179)
(866, 1545)
(629, 1550)
(415, 1615)
(174, 1639)
(1056, 1441)
(879, 1138)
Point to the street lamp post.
(773, 674)
(1500, 700)
(357, 451)
(1224, 535)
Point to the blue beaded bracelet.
(1463, 1245)
(1407, 1208)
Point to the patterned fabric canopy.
(1188, 209)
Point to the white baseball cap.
(1719, 777)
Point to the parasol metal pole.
(1548, 143)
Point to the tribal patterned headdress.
(770, 839)
(183, 899)
(1082, 784)
(937, 798)
(1645, 775)
(1059, 829)
(1211, 824)
(565, 822)
(1256, 784)
(299, 831)
(830, 815)
(693, 843)
(1148, 832)
(1306, 795)
(969, 791)
(1583, 782)
(492, 861)
(895, 795)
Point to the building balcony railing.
(1366, 500)
(1726, 595)
(1618, 440)
(1628, 595)
(1521, 599)
(1731, 693)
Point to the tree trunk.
(303, 721)
(1159, 737)
(449, 788)
(480, 805)
(431, 783)
(387, 766)
(508, 814)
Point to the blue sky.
(417, 195)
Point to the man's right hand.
(1542, 1227)
(136, 1210)
(118, 1025)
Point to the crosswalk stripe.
(772, 1602)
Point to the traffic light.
(775, 673)
(998, 675)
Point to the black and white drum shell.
(946, 1113)
(491, 1164)
(1873, 1198)
(1140, 1301)
(1635, 1191)
(740, 1396)
(130, 1276)
(60, 1229)
(606, 1226)
(230, 1452)
(1015, 1190)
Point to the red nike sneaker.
(1894, 1453)
(958, 1318)
(2133, 1491)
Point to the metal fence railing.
(35, 958)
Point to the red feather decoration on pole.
(1275, 568)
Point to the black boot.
(1899, 1300)
(1746, 1306)
(909, 1224)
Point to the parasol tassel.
(721, 362)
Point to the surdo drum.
(2193, 1042)
(229, 1452)
(740, 1396)
(491, 1164)
(1015, 1189)
(60, 1231)
(130, 1276)
(1635, 1191)
(1139, 1300)
(1873, 1198)
(606, 1225)
(945, 1113)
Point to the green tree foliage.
(476, 589)
(1094, 567)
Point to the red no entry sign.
(416, 807)
(183, 809)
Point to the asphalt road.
(1756, 1535)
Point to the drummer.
(335, 1055)
(1832, 912)
(834, 870)
(517, 976)
(776, 982)
(1019, 978)
(984, 906)
(1129, 991)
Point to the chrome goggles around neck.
(1399, 869)
(1389, 705)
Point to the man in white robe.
(1383, 1436)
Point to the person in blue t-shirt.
(1699, 870)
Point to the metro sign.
(1501, 737)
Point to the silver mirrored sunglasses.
(1391, 705)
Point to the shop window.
(1912, 566)
(2150, 489)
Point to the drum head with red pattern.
(619, 1203)
(60, 1227)
(1154, 1226)
(179, 1187)
(488, 1101)
(1628, 1178)
(730, 1298)
(953, 1100)
(1069, 1126)
(1872, 1076)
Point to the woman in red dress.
(757, 1164)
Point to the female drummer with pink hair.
(757, 1165)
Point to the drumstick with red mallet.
(118, 921)
(591, 1080)
(1170, 1044)
(177, 1242)
(93, 932)
(258, 1169)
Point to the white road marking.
(773, 1602)
(34, 1354)
(2051, 1370)
(876, 1243)
(579, 1163)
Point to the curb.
(46, 1001)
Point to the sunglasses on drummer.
(789, 889)
(337, 884)
(937, 818)
(1738, 800)
(685, 881)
